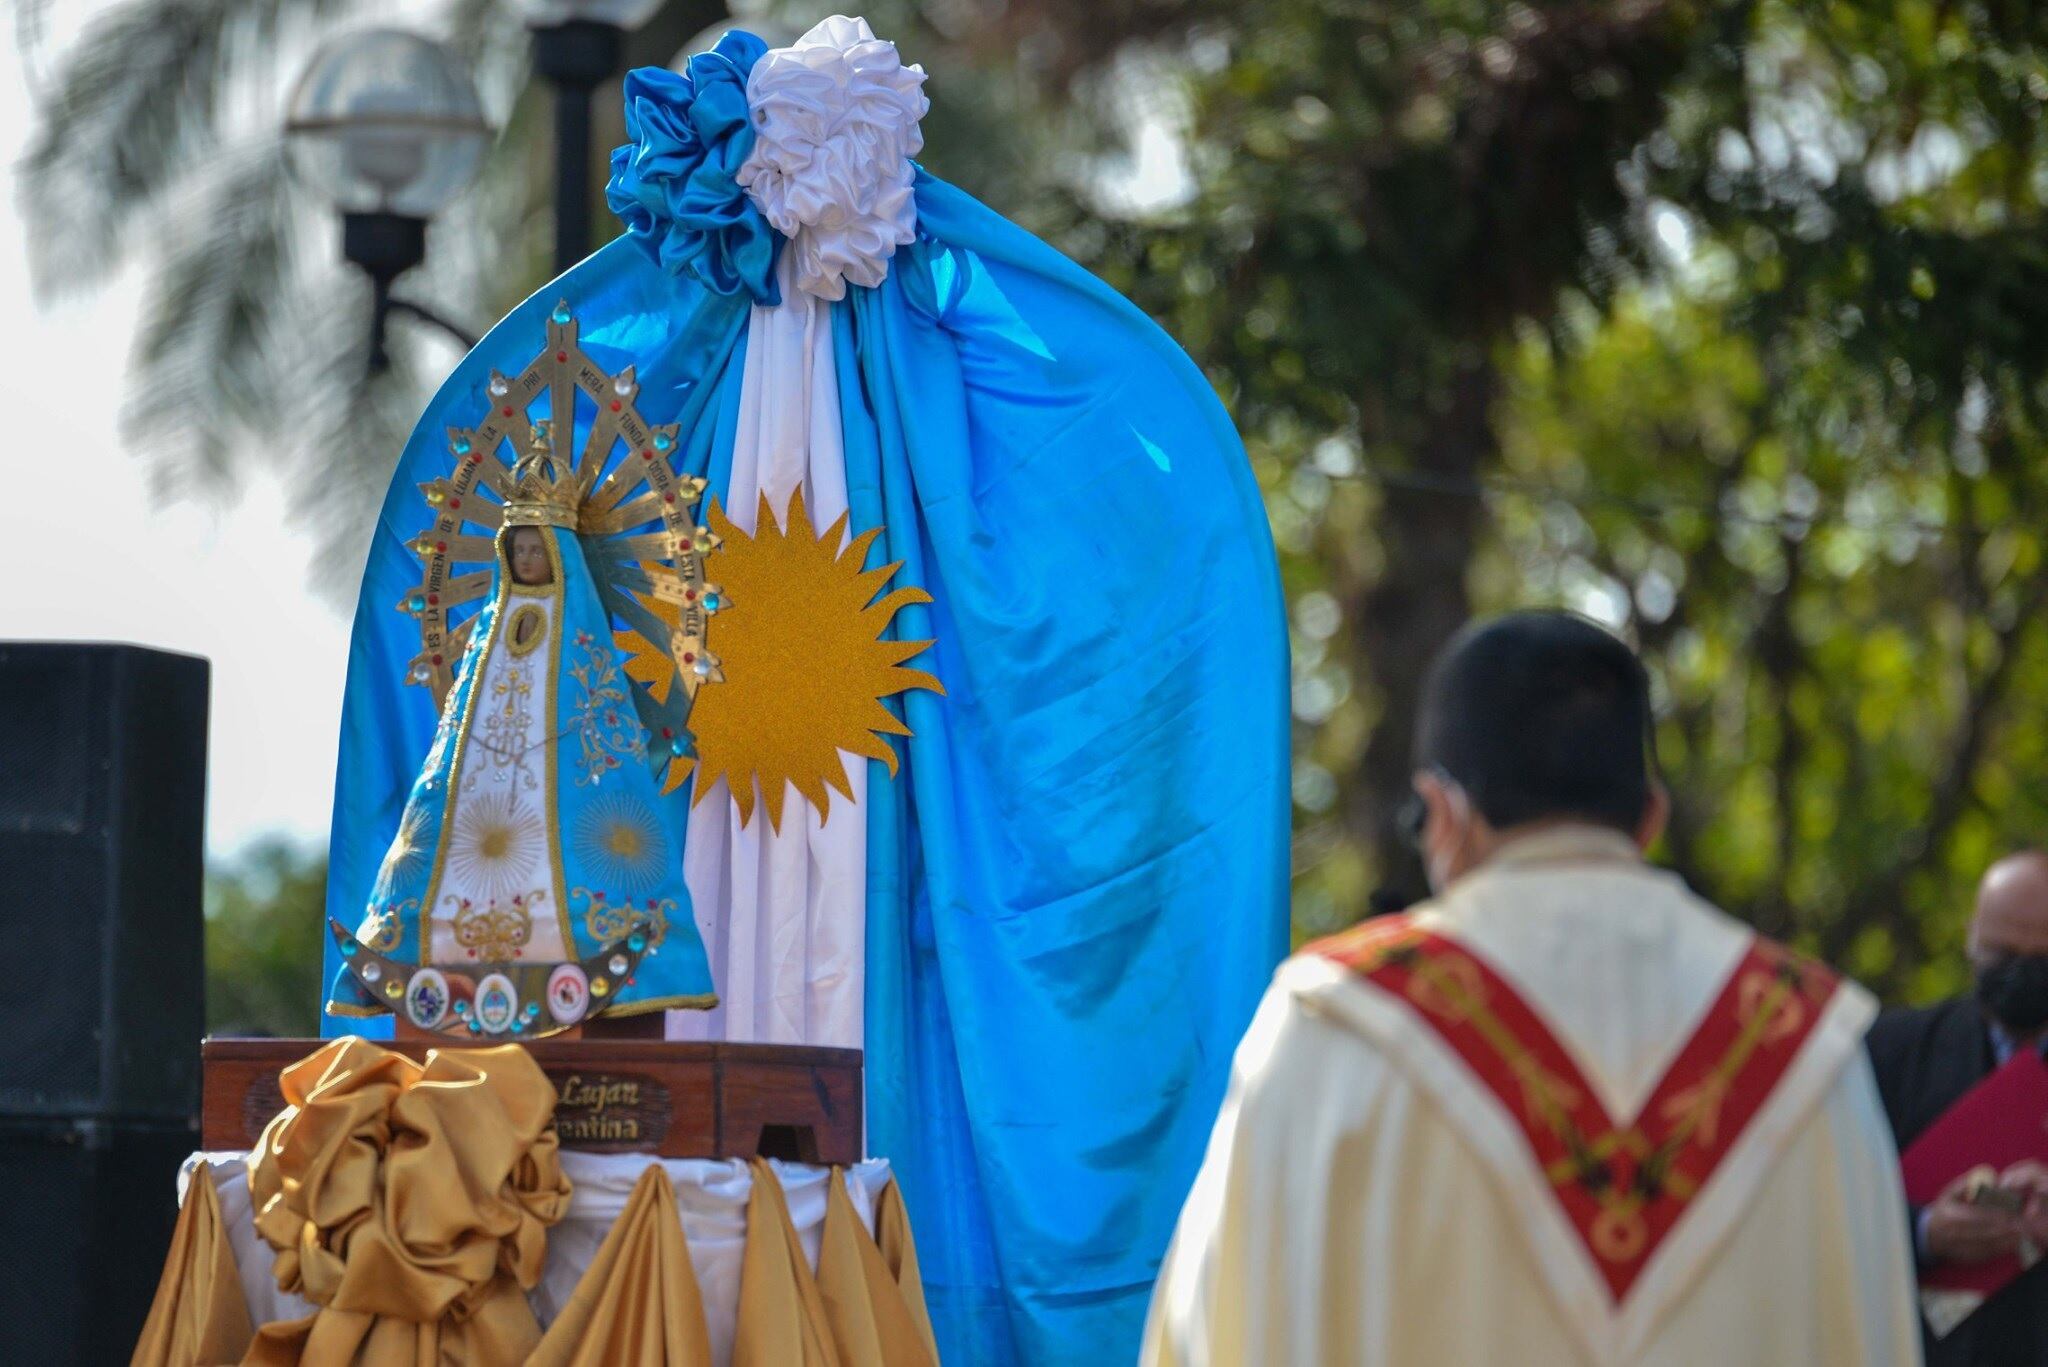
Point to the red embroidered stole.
(1622, 1185)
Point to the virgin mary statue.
(533, 880)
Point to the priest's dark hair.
(1540, 715)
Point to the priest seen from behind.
(1563, 1113)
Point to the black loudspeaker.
(102, 811)
(102, 801)
(83, 1231)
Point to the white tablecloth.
(711, 1193)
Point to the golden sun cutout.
(799, 641)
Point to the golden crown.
(544, 489)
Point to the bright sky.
(87, 553)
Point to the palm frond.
(205, 361)
(158, 142)
(136, 107)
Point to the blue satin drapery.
(675, 182)
(1077, 890)
(1077, 884)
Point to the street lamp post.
(387, 126)
(577, 46)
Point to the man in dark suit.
(1927, 1058)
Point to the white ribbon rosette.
(836, 125)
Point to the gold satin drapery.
(199, 1317)
(899, 1261)
(637, 1302)
(859, 1310)
(782, 1317)
(874, 1301)
(410, 1204)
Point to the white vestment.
(1367, 1200)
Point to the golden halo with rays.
(799, 639)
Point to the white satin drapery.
(835, 127)
(783, 913)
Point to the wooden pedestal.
(671, 1098)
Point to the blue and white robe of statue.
(534, 832)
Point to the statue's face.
(528, 557)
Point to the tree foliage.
(265, 922)
(1838, 357)
(1717, 321)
